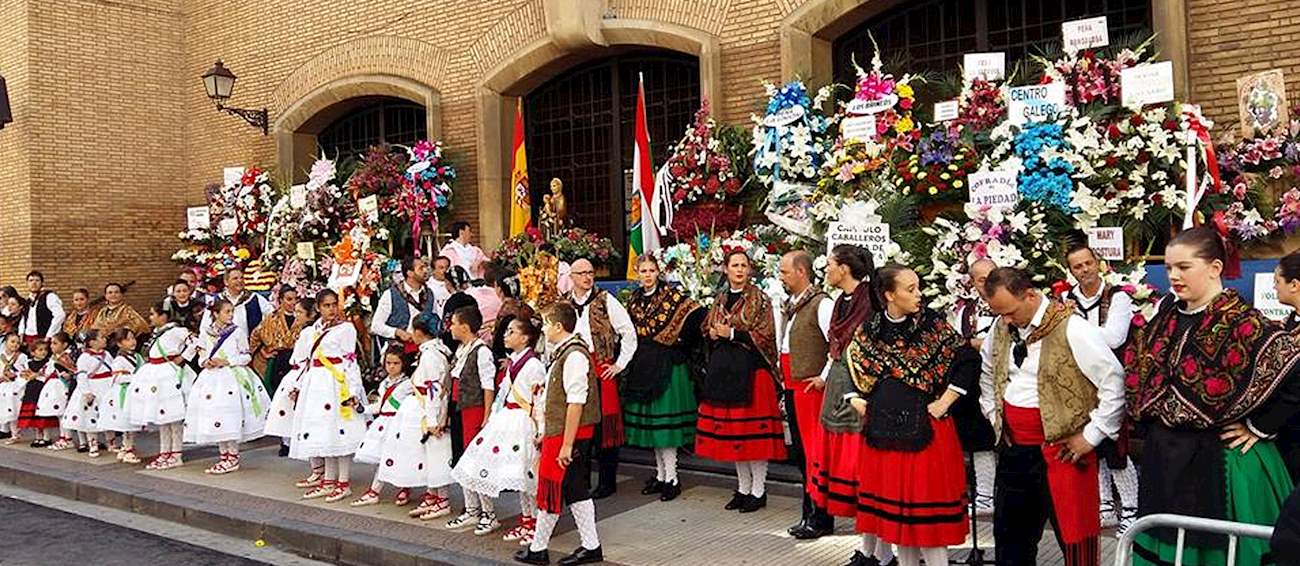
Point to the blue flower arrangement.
(1042, 180)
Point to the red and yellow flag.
(521, 207)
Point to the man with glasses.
(607, 329)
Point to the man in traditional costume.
(249, 307)
(607, 329)
(1053, 391)
(44, 315)
(402, 302)
(462, 251)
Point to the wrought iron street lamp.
(220, 82)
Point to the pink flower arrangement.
(982, 106)
(698, 169)
(426, 187)
(1089, 77)
(1288, 211)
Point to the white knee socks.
(472, 499)
(670, 463)
(935, 555)
(331, 469)
(744, 477)
(528, 504)
(659, 464)
(344, 466)
(758, 471)
(1126, 482)
(884, 551)
(584, 514)
(986, 464)
(545, 526)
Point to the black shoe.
(670, 491)
(102, 446)
(652, 486)
(603, 491)
(84, 448)
(797, 527)
(5, 434)
(284, 451)
(527, 556)
(738, 500)
(809, 531)
(583, 556)
(41, 443)
(753, 504)
(860, 559)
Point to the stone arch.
(516, 73)
(809, 28)
(371, 66)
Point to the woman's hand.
(1238, 434)
(939, 408)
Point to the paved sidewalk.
(260, 503)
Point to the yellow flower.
(958, 184)
(903, 90)
(859, 169)
(934, 191)
(945, 176)
(952, 166)
(242, 253)
(903, 125)
(922, 175)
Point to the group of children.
(437, 418)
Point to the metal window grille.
(383, 120)
(1183, 523)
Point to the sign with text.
(1036, 103)
(1107, 243)
(987, 66)
(1084, 34)
(306, 250)
(1266, 298)
(228, 226)
(783, 117)
(995, 189)
(298, 196)
(369, 206)
(859, 128)
(231, 176)
(945, 111)
(858, 106)
(874, 236)
(196, 218)
(1147, 84)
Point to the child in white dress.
(113, 412)
(55, 396)
(387, 399)
(94, 380)
(504, 455)
(417, 452)
(12, 362)
(279, 420)
(228, 403)
(157, 394)
(326, 421)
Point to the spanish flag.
(644, 237)
(521, 207)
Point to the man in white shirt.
(249, 307)
(804, 362)
(1111, 309)
(439, 284)
(607, 329)
(44, 315)
(401, 303)
(462, 251)
(1053, 391)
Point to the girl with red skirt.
(908, 367)
(740, 420)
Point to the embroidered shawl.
(920, 355)
(752, 314)
(109, 319)
(1218, 371)
(661, 315)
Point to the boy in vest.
(804, 363)
(571, 413)
(1111, 309)
(1053, 391)
(402, 302)
(606, 327)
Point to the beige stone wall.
(115, 135)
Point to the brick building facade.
(114, 136)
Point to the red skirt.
(611, 413)
(835, 473)
(807, 412)
(552, 493)
(741, 432)
(471, 422)
(27, 418)
(915, 499)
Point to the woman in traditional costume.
(739, 419)
(1210, 381)
(908, 368)
(659, 398)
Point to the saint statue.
(554, 216)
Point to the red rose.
(1121, 185)
(1137, 120)
(1171, 125)
(1112, 132)
(905, 104)
(1111, 160)
(1143, 157)
(1216, 387)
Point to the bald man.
(608, 330)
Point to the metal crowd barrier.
(1184, 523)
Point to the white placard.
(858, 128)
(306, 250)
(946, 111)
(230, 176)
(369, 206)
(783, 117)
(1266, 297)
(298, 196)
(345, 274)
(196, 218)
(1084, 34)
(987, 66)
(228, 226)
(874, 236)
(1147, 84)
(995, 189)
(1036, 103)
(859, 107)
(1107, 243)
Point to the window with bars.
(934, 34)
(580, 128)
(381, 120)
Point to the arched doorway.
(362, 122)
(580, 124)
(934, 34)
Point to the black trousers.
(816, 517)
(606, 460)
(1022, 507)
